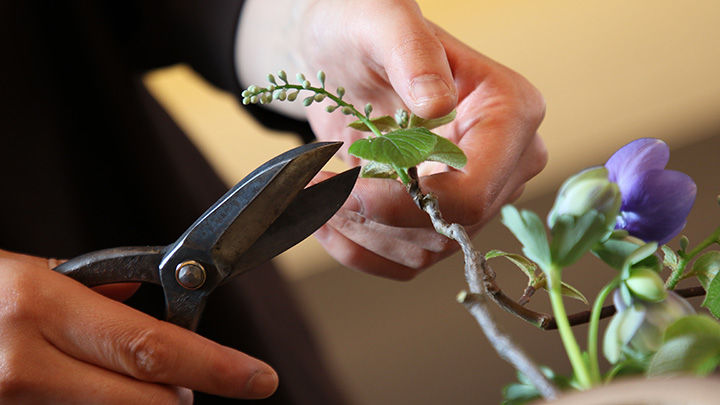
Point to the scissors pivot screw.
(190, 275)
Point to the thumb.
(416, 63)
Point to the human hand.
(61, 342)
(386, 53)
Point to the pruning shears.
(263, 215)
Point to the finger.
(118, 292)
(414, 59)
(115, 337)
(349, 222)
(406, 252)
(354, 256)
(48, 382)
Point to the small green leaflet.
(706, 267)
(417, 122)
(529, 268)
(385, 123)
(409, 147)
(378, 171)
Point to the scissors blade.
(232, 225)
(310, 210)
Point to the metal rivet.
(190, 275)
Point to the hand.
(386, 53)
(61, 342)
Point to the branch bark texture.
(481, 283)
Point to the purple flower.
(655, 201)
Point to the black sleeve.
(200, 33)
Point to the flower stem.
(677, 274)
(593, 329)
(566, 334)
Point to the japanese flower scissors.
(263, 215)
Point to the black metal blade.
(310, 210)
(226, 231)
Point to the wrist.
(268, 38)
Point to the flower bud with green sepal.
(583, 215)
(588, 190)
(646, 284)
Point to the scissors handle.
(139, 264)
(116, 265)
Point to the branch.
(607, 311)
(480, 279)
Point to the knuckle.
(413, 45)
(19, 298)
(146, 357)
(423, 260)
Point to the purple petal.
(656, 205)
(636, 158)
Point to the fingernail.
(185, 396)
(429, 87)
(262, 384)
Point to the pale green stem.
(337, 100)
(566, 334)
(593, 330)
(677, 274)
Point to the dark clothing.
(89, 160)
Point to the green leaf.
(712, 297)
(574, 236)
(519, 394)
(448, 153)
(614, 252)
(403, 148)
(572, 292)
(706, 267)
(692, 345)
(643, 256)
(378, 170)
(688, 354)
(416, 121)
(530, 231)
(523, 392)
(384, 123)
(693, 324)
(522, 262)
(670, 258)
(642, 253)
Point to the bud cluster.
(285, 91)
